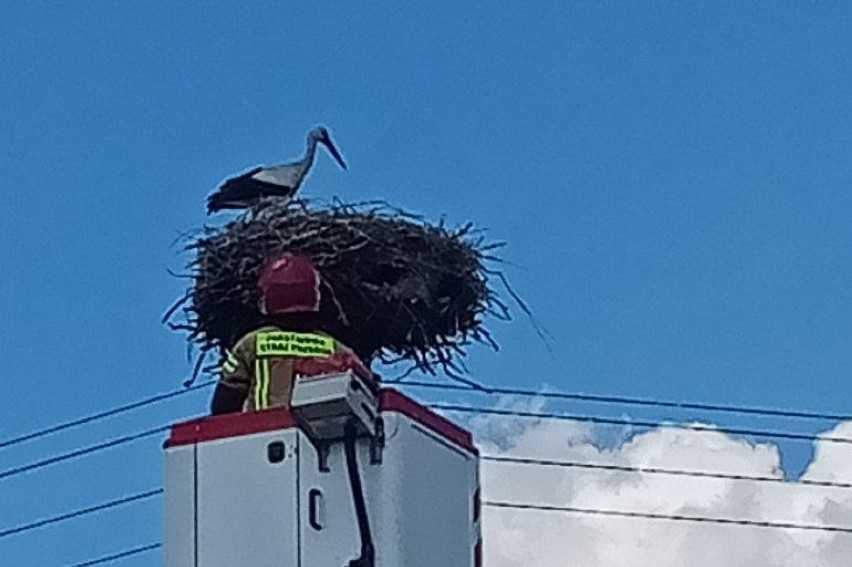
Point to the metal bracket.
(377, 443)
(322, 456)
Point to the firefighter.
(260, 370)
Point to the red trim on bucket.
(231, 425)
(394, 401)
(238, 424)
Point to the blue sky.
(673, 181)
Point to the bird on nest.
(282, 180)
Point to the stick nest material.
(393, 286)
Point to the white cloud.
(516, 538)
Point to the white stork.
(277, 181)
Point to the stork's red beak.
(326, 141)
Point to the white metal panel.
(247, 506)
(337, 542)
(422, 499)
(179, 524)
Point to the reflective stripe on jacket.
(264, 364)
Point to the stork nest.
(394, 287)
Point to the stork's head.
(320, 134)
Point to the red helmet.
(290, 284)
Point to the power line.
(469, 409)
(490, 390)
(662, 471)
(670, 517)
(119, 555)
(624, 400)
(639, 423)
(563, 509)
(80, 452)
(450, 407)
(81, 512)
(516, 460)
(102, 415)
(493, 458)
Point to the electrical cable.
(119, 555)
(476, 410)
(662, 471)
(453, 408)
(623, 400)
(490, 458)
(102, 415)
(671, 517)
(615, 400)
(491, 390)
(639, 423)
(80, 452)
(563, 509)
(367, 557)
(516, 460)
(81, 512)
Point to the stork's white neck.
(308, 160)
(311, 150)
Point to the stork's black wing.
(244, 191)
